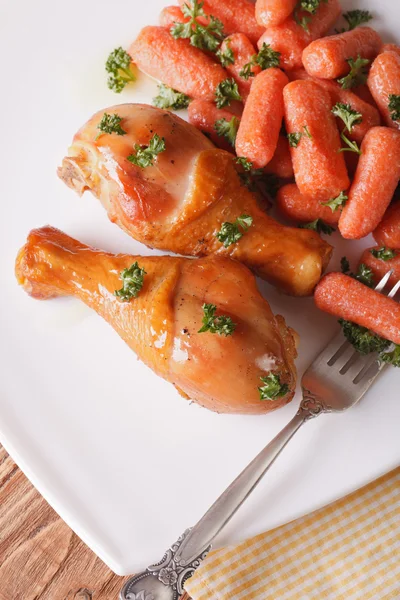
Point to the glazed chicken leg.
(162, 323)
(180, 202)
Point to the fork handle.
(223, 509)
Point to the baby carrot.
(383, 82)
(380, 267)
(318, 164)
(243, 51)
(374, 184)
(327, 58)
(347, 298)
(370, 115)
(293, 205)
(273, 12)
(261, 122)
(391, 48)
(281, 163)
(388, 231)
(205, 115)
(176, 63)
(237, 16)
(170, 15)
(290, 38)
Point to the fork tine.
(384, 281)
(394, 290)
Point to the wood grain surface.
(40, 557)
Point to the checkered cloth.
(346, 551)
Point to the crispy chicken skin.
(161, 325)
(180, 202)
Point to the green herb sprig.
(225, 92)
(145, 155)
(110, 124)
(272, 388)
(205, 37)
(266, 58)
(222, 325)
(118, 66)
(132, 282)
(358, 73)
(228, 129)
(230, 233)
(167, 97)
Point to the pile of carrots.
(286, 118)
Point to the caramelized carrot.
(243, 51)
(176, 63)
(237, 16)
(380, 267)
(273, 12)
(384, 80)
(375, 181)
(290, 38)
(281, 162)
(293, 205)
(370, 115)
(388, 231)
(204, 115)
(170, 15)
(261, 122)
(391, 48)
(347, 298)
(327, 58)
(319, 167)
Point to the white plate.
(121, 457)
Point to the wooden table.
(40, 557)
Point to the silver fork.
(335, 381)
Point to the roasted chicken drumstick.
(180, 201)
(220, 372)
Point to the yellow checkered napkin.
(346, 551)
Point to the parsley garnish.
(355, 18)
(345, 265)
(307, 132)
(222, 325)
(363, 340)
(394, 107)
(226, 91)
(230, 233)
(272, 388)
(383, 253)
(351, 145)
(132, 279)
(335, 203)
(310, 6)
(228, 129)
(119, 66)
(110, 124)
(170, 98)
(145, 155)
(349, 116)
(205, 37)
(226, 57)
(267, 58)
(365, 275)
(358, 73)
(294, 139)
(318, 225)
(244, 162)
(393, 357)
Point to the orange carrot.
(204, 115)
(176, 63)
(290, 38)
(261, 122)
(391, 48)
(170, 15)
(293, 205)
(384, 80)
(380, 267)
(375, 181)
(370, 115)
(281, 162)
(388, 231)
(237, 16)
(319, 167)
(243, 51)
(362, 91)
(327, 58)
(273, 12)
(347, 298)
